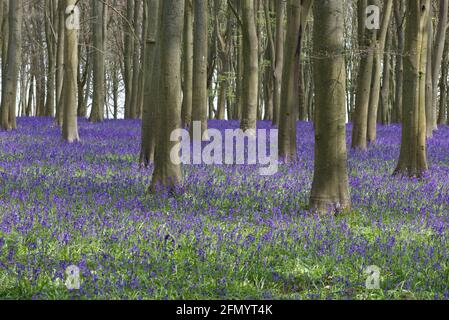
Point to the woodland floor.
(231, 234)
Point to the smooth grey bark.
(430, 113)
(377, 70)
(134, 107)
(413, 158)
(60, 62)
(290, 80)
(51, 13)
(128, 54)
(279, 56)
(250, 50)
(200, 60)
(99, 95)
(151, 84)
(399, 18)
(167, 176)
(330, 188)
(367, 40)
(11, 66)
(70, 121)
(437, 58)
(186, 113)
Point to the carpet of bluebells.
(231, 234)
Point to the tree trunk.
(278, 71)
(330, 188)
(50, 19)
(199, 97)
(167, 176)
(186, 113)
(413, 160)
(367, 40)
(444, 85)
(377, 69)
(70, 123)
(151, 83)
(60, 63)
(134, 103)
(399, 11)
(128, 55)
(438, 50)
(290, 80)
(97, 113)
(430, 113)
(250, 67)
(386, 85)
(11, 68)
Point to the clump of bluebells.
(231, 234)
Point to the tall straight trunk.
(200, 60)
(268, 88)
(270, 56)
(367, 40)
(99, 95)
(239, 78)
(280, 39)
(134, 103)
(167, 176)
(141, 80)
(70, 122)
(330, 188)
(84, 75)
(5, 35)
(430, 112)
(383, 115)
(11, 68)
(377, 69)
(399, 11)
(115, 88)
(186, 113)
(128, 56)
(29, 107)
(413, 159)
(444, 85)
(250, 67)
(438, 51)
(60, 62)
(2, 16)
(151, 84)
(290, 80)
(50, 19)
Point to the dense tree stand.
(330, 189)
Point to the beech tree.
(250, 81)
(367, 40)
(199, 84)
(151, 84)
(97, 114)
(167, 176)
(69, 97)
(373, 107)
(290, 98)
(11, 65)
(413, 158)
(188, 65)
(330, 189)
